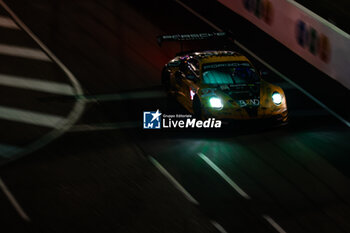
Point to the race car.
(223, 85)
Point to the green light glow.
(277, 98)
(215, 102)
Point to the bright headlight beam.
(276, 98)
(215, 102)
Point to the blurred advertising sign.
(311, 37)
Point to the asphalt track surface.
(109, 175)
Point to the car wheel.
(166, 79)
(197, 108)
(285, 118)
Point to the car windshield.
(236, 73)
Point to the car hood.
(241, 96)
(234, 92)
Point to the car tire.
(166, 79)
(285, 120)
(197, 108)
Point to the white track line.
(73, 116)
(173, 180)
(36, 85)
(24, 52)
(274, 224)
(124, 96)
(106, 126)
(218, 227)
(53, 57)
(266, 64)
(8, 150)
(29, 117)
(79, 106)
(211, 24)
(6, 22)
(224, 176)
(13, 201)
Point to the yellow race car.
(223, 85)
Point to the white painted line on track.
(44, 48)
(274, 224)
(36, 85)
(224, 176)
(79, 105)
(13, 201)
(198, 15)
(266, 64)
(23, 52)
(218, 227)
(124, 96)
(8, 150)
(105, 126)
(173, 180)
(7, 22)
(29, 117)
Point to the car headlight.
(276, 98)
(215, 102)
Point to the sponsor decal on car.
(250, 102)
